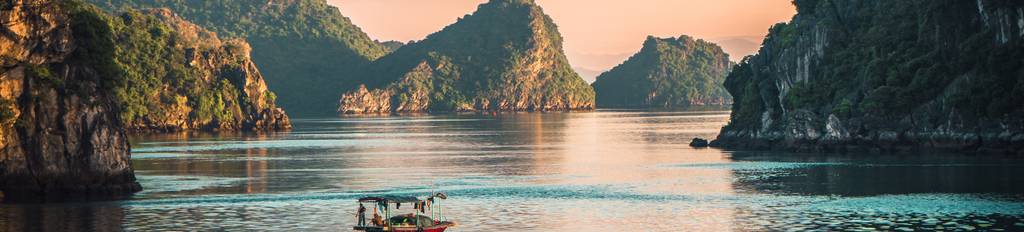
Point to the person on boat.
(362, 214)
(377, 219)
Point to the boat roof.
(390, 199)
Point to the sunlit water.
(595, 171)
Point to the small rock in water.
(905, 229)
(1019, 224)
(699, 142)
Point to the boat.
(426, 216)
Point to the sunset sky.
(599, 34)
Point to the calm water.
(599, 171)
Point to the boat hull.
(437, 228)
(431, 229)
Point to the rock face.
(885, 75)
(507, 56)
(186, 78)
(667, 73)
(59, 134)
(306, 47)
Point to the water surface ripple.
(588, 171)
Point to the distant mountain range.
(588, 74)
(312, 54)
(739, 46)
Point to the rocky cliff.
(306, 47)
(507, 56)
(59, 131)
(885, 75)
(667, 73)
(183, 77)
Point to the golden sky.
(599, 34)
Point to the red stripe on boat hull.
(435, 229)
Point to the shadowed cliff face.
(59, 134)
(183, 77)
(507, 56)
(667, 73)
(885, 75)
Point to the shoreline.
(889, 142)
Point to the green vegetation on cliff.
(92, 30)
(306, 47)
(168, 74)
(506, 56)
(391, 46)
(915, 68)
(667, 73)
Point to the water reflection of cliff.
(246, 170)
(52, 218)
(868, 175)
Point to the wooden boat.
(418, 221)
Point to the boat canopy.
(400, 199)
(390, 199)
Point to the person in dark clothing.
(362, 215)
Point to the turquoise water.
(589, 171)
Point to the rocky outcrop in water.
(699, 143)
(507, 56)
(885, 76)
(667, 73)
(202, 82)
(59, 131)
(307, 48)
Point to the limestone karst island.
(511, 115)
